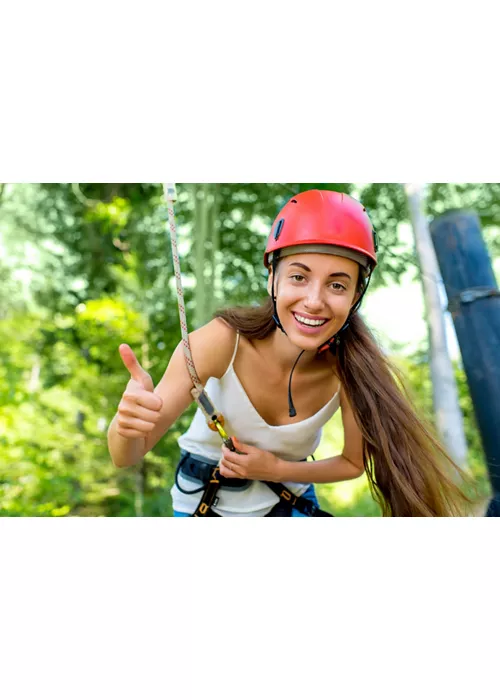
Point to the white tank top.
(292, 443)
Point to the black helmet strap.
(275, 315)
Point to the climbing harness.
(213, 479)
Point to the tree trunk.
(215, 281)
(475, 309)
(200, 237)
(34, 381)
(449, 419)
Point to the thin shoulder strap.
(235, 348)
(234, 354)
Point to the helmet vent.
(294, 201)
(278, 229)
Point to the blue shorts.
(310, 494)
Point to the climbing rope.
(171, 197)
(214, 419)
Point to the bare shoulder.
(353, 438)
(345, 401)
(212, 348)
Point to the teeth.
(308, 321)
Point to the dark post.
(474, 303)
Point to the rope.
(171, 196)
(215, 420)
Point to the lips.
(309, 317)
(305, 327)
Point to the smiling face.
(315, 293)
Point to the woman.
(320, 255)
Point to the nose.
(314, 300)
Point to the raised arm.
(145, 414)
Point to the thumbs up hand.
(139, 408)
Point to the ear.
(270, 283)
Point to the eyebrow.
(333, 274)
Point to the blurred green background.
(85, 267)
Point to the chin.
(305, 342)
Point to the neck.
(285, 353)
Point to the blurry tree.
(445, 394)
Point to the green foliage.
(387, 207)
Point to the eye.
(297, 278)
(338, 287)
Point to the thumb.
(133, 365)
(241, 447)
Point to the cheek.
(288, 296)
(344, 304)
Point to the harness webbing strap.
(209, 495)
(303, 505)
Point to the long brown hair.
(408, 471)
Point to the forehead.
(322, 263)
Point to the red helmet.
(322, 221)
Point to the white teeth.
(308, 321)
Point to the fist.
(139, 408)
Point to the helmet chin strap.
(291, 408)
(330, 344)
(275, 315)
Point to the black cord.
(291, 408)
